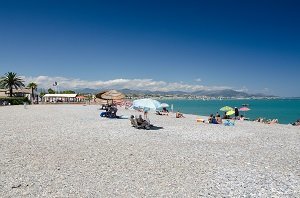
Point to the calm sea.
(285, 110)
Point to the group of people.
(297, 123)
(265, 121)
(139, 122)
(110, 111)
(215, 119)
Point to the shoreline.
(70, 151)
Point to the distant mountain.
(221, 93)
(87, 90)
(210, 93)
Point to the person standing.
(146, 113)
(236, 112)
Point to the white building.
(65, 98)
(25, 92)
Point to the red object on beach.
(244, 109)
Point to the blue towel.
(228, 123)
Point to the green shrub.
(15, 100)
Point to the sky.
(251, 46)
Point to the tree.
(68, 92)
(51, 91)
(10, 80)
(33, 87)
(42, 92)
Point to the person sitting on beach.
(141, 122)
(259, 120)
(217, 114)
(219, 119)
(179, 115)
(214, 120)
(225, 116)
(210, 118)
(242, 118)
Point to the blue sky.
(185, 45)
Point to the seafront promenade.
(69, 151)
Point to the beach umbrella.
(164, 105)
(98, 95)
(102, 101)
(112, 95)
(226, 109)
(231, 112)
(244, 109)
(146, 103)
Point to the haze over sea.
(285, 110)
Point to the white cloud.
(266, 90)
(198, 79)
(243, 89)
(136, 84)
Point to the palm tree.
(10, 80)
(33, 87)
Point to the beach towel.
(228, 123)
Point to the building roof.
(23, 90)
(61, 95)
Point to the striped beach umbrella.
(226, 109)
(231, 112)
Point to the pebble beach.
(70, 151)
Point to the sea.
(285, 110)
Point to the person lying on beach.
(274, 121)
(259, 120)
(165, 110)
(161, 113)
(297, 123)
(179, 115)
